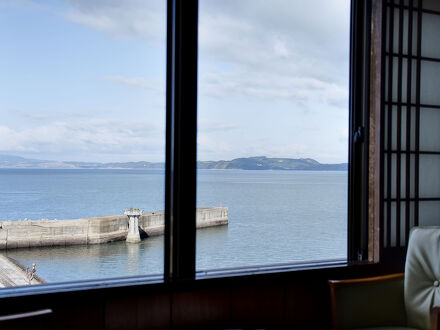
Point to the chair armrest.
(435, 318)
(367, 302)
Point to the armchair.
(396, 301)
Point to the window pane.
(82, 90)
(273, 131)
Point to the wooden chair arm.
(338, 287)
(375, 279)
(435, 318)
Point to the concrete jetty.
(14, 274)
(96, 230)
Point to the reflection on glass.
(273, 131)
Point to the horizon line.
(163, 162)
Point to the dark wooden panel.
(207, 308)
(121, 314)
(258, 305)
(394, 257)
(307, 305)
(84, 316)
(294, 300)
(154, 312)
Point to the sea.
(275, 217)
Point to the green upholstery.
(387, 328)
(371, 304)
(422, 275)
(395, 303)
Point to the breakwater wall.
(12, 273)
(96, 230)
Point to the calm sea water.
(274, 217)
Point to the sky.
(84, 80)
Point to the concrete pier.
(14, 274)
(97, 230)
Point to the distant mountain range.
(250, 163)
(264, 163)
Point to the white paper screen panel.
(430, 129)
(411, 119)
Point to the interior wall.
(291, 300)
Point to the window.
(272, 145)
(82, 136)
(182, 87)
(141, 92)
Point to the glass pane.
(429, 185)
(429, 132)
(428, 213)
(429, 80)
(403, 127)
(405, 31)
(273, 131)
(394, 175)
(430, 40)
(395, 92)
(401, 220)
(82, 137)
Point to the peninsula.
(249, 163)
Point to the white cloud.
(128, 19)
(276, 49)
(132, 140)
(140, 82)
(206, 125)
(270, 86)
(22, 4)
(48, 116)
(249, 50)
(210, 148)
(284, 49)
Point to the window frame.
(182, 115)
(359, 131)
(181, 160)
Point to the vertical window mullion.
(417, 114)
(358, 124)
(181, 140)
(389, 121)
(408, 123)
(399, 123)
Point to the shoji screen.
(411, 121)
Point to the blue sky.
(85, 79)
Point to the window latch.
(359, 135)
(360, 255)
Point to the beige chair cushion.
(422, 276)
